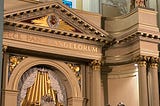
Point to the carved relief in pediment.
(52, 21)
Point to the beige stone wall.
(123, 85)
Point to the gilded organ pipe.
(40, 91)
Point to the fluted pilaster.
(96, 83)
(143, 91)
(153, 70)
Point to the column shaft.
(96, 84)
(153, 69)
(143, 94)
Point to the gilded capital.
(153, 65)
(96, 65)
(153, 62)
(140, 58)
(141, 63)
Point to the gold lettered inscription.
(48, 41)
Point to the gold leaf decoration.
(76, 70)
(14, 60)
(61, 25)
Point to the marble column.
(96, 83)
(143, 92)
(153, 69)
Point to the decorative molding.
(96, 65)
(34, 28)
(135, 35)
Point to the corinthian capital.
(153, 62)
(96, 65)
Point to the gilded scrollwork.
(77, 71)
(14, 60)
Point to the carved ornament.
(153, 62)
(77, 71)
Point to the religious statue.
(140, 3)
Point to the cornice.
(32, 28)
(138, 34)
(61, 10)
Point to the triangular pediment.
(55, 16)
(52, 21)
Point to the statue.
(140, 3)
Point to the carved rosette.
(14, 60)
(96, 65)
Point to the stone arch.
(70, 81)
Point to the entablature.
(23, 41)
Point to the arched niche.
(70, 82)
